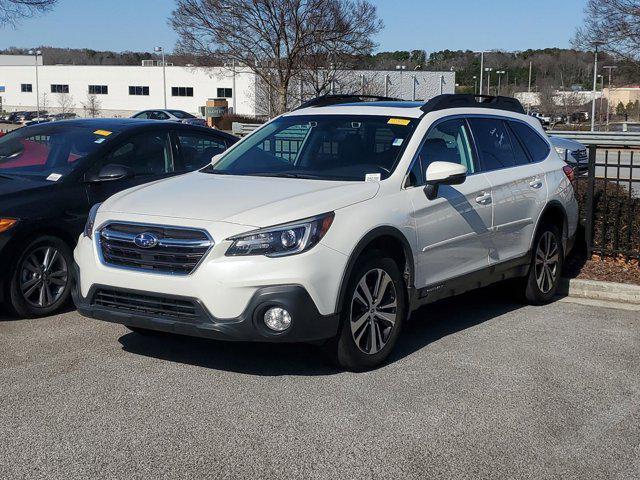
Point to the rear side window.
(493, 143)
(535, 145)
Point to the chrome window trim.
(98, 246)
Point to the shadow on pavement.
(427, 325)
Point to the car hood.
(245, 200)
(16, 191)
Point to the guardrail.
(621, 139)
(242, 129)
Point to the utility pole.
(36, 53)
(164, 75)
(481, 70)
(595, 86)
(488, 70)
(609, 67)
(529, 89)
(500, 73)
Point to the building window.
(26, 88)
(98, 89)
(182, 91)
(139, 91)
(59, 88)
(225, 92)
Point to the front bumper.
(308, 324)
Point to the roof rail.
(326, 100)
(465, 100)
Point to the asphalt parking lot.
(477, 389)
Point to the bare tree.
(275, 38)
(13, 10)
(614, 22)
(92, 105)
(65, 103)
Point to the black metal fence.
(609, 198)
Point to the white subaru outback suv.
(332, 223)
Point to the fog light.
(277, 319)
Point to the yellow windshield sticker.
(398, 121)
(104, 133)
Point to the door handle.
(535, 183)
(484, 199)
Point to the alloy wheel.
(547, 262)
(374, 309)
(43, 276)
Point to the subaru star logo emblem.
(146, 240)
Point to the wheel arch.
(556, 214)
(386, 239)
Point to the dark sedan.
(50, 176)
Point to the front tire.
(373, 311)
(546, 266)
(40, 280)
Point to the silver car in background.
(573, 153)
(179, 116)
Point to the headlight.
(88, 228)
(7, 223)
(562, 152)
(281, 240)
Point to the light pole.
(36, 53)
(601, 77)
(481, 70)
(500, 73)
(488, 70)
(413, 94)
(595, 85)
(401, 68)
(475, 84)
(164, 75)
(529, 87)
(609, 67)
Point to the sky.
(429, 25)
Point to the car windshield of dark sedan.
(324, 147)
(48, 151)
(180, 114)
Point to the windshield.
(48, 151)
(180, 114)
(325, 147)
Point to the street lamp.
(601, 77)
(488, 70)
(595, 85)
(609, 67)
(500, 73)
(164, 74)
(401, 68)
(481, 69)
(37, 53)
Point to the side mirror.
(443, 173)
(215, 158)
(112, 172)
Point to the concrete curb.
(597, 290)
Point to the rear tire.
(40, 281)
(373, 311)
(547, 258)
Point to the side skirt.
(517, 267)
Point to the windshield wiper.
(6, 175)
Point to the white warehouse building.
(123, 90)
